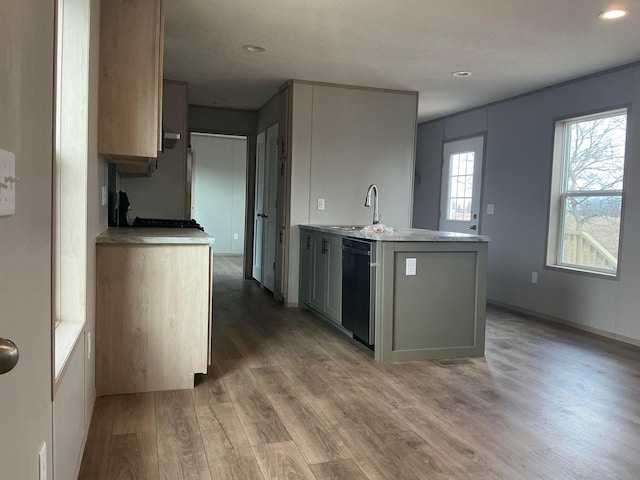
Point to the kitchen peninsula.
(429, 288)
(153, 308)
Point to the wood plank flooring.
(287, 397)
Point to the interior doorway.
(218, 189)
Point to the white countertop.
(400, 234)
(152, 235)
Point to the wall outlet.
(410, 266)
(236, 236)
(534, 277)
(490, 208)
(42, 461)
(321, 204)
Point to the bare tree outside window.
(591, 197)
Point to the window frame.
(558, 196)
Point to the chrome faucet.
(367, 203)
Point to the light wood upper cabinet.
(130, 90)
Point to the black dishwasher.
(358, 289)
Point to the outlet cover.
(42, 461)
(410, 266)
(7, 183)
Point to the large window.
(586, 194)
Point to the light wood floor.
(287, 398)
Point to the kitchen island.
(428, 289)
(153, 308)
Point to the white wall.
(344, 139)
(163, 194)
(219, 200)
(26, 92)
(519, 143)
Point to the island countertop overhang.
(398, 235)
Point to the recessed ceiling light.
(254, 48)
(461, 74)
(612, 14)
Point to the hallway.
(287, 397)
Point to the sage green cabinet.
(321, 274)
(333, 297)
(306, 256)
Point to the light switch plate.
(410, 266)
(7, 183)
(321, 204)
(490, 208)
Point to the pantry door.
(461, 185)
(258, 222)
(269, 215)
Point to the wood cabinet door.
(130, 79)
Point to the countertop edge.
(158, 236)
(400, 234)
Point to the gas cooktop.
(165, 223)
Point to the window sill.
(66, 337)
(580, 271)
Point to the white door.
(259, 208)
(269, 215)
(26, 123)
(461, 185)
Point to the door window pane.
(460, 186)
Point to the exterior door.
(269, 215)
(258, 221)
(461, 185)
(26, 124)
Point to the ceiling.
(510, 46)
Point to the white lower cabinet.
(321, 274)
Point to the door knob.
(259, 215)
(9, 355)
(473, 227)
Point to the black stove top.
(165, 223)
